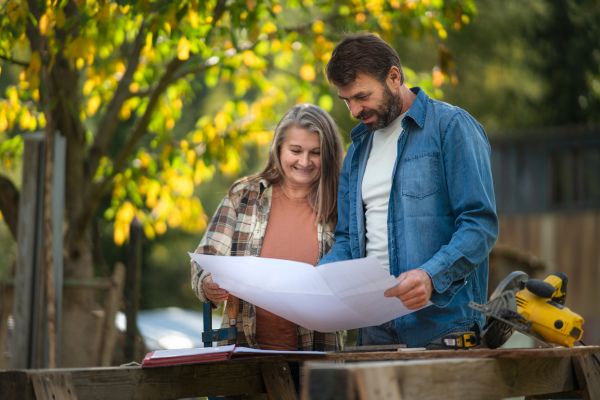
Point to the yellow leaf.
(88, 86)
(44, 24)
(269, 28)
(249, 58)
(221, 120)
(277, 9)
(13, 96)
(169, 123)
(93, 104)
(174, 219)
(160, 227)
(177, 104)
(41, 118)
(3, 121)
(32, 124)
(242, 108)
(233, 162)
(149, 231)
(307, 72)
(360, 18)
(125, 213)
(125, 112)
(120, 234)
(134, 87)
(183, 49)
(24, 120)
(318, 27)
(193, 15)
(190, 156)
(438, 77)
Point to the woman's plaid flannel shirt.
(237, 229)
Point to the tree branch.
(14, 62)
(109, 122)
(98, 189)
(9, 204)
(140, 128)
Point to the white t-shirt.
(376, 186)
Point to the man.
(416, 192)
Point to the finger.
(212, 286)
(217, 297)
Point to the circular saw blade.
(495, 333)
(512, 281)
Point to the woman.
(286, 211)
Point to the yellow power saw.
(533, 307)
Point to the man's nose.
(355, 109)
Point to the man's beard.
(387, 111)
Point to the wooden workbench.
(401, 375)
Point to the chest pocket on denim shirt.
(421, 175)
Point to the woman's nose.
(305, 159)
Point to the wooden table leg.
(53, 386)
(278, 381)
(587, 371)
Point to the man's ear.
(395, 77)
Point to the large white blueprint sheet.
(331, 297)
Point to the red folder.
(158, 358)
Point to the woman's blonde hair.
(323, 194)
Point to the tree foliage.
(114, 78)
(528, 64)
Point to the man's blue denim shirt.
(441, 215)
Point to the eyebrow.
(356, 95)
(297, 145)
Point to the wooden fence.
(542, 243)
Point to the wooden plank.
(374, 383)
(278, 381)
(26, 250)
(16, 385)
(332, 384)
(133, 276)
(111, 306)
(471, 353)
(53, 386)
(460, 379)
(58, 209)
(6, 305)
(177, 382)
(587, 371)
(533, 371)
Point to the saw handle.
(233, 309)
(559, 281)
(553, 287)
(540, 288)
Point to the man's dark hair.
(364, 53)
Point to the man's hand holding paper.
(414, 289)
